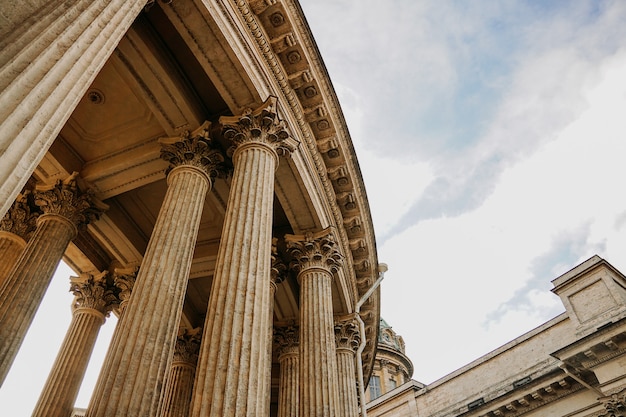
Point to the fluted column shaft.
(177, 393)
(65, 208)
(26, 285)
(135, 367)
(46, 65)
(233, 356)
(318, 362)
(94, 298)
(61, 389)
(348, 402)
(348, 338)
(11, 247)
(289, 380)
(230, 369)
(316, 258)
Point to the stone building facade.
(190, 161)
(574, 365)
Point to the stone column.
(347, 338)
(16, 227)
(95, 297)
(177, 393)
(278, 273)
(140, 353)
(316, 259)
(233, 355)
(65, 208)
(46, 65)
(286, 340)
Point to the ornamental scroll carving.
(195, 149)
(188, 345)
(347, 335)
(21, 219)
(317, 250)
(259, 126)
(286, 340)
(94, 292)
(69, 199)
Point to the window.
(392, 384)
(374, 387)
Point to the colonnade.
(153, 367)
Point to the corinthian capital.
(286, 340)
(124, 280)
(614, 404)
(194, 149)
(278, 272)
(314, 250)
(69, 199)
(259, 126)
(188, 345)
(347, 334)
(21, 219)
(94, 292)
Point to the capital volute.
(188, 345)
(70, 198)
(21, 219)
(347, 334)
(286, 340)
(261, 126)
(314, 250)
(94, 292)
(196, 150)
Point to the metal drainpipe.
(564, 367)
(382, 268)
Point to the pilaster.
(94, 298)
(233, 355)
(316, 259)
(139, 357)
(65, 207)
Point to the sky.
(490, 135)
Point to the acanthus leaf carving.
(317, 250)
